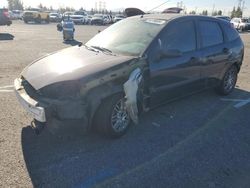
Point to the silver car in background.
(241, 24)
(79, 17)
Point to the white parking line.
(243, 103)
(6, 91)
(240, 102)
(4, 87)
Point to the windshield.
(54, 14)
(141, 33)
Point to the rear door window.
(211, 33)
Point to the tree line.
(15, 4)
(18, 5)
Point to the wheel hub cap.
(120, 118)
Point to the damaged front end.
(42, 108)
(80, 99)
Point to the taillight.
(6, 14)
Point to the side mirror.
(167, 53)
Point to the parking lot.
(199, 141)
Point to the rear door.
(173, 77)
(215, 51)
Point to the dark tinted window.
(210, 33)
(230, 32)
(180, 36)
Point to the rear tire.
(228, 82)
(112, 119)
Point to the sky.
(225, 5)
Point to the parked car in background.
(89, 18)
(112, 79)
(66, 14)
(107, 19)
(119, 17)
(97, 19)
(224, 18)
(35, 15)
(55, 17)
(79, 17)
(241, 24)
(5, 17)
(11, 15)
(17, 14)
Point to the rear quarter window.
(211, 33)
(230, 32)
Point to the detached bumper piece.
(29, 104)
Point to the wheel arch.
(97, 95)
(236, 64)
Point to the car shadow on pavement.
(64, 156)
(6, 36)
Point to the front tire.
(228, 83)
(112, 118)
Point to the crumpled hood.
(72, 63)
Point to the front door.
(173, 77)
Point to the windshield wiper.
(102, 49)
(90, 48)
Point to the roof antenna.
(158, 6)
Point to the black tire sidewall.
(223, 91)
(102, 120)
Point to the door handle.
(227, 51)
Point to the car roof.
(174, 16)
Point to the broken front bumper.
(29, 104)
(47, 108)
